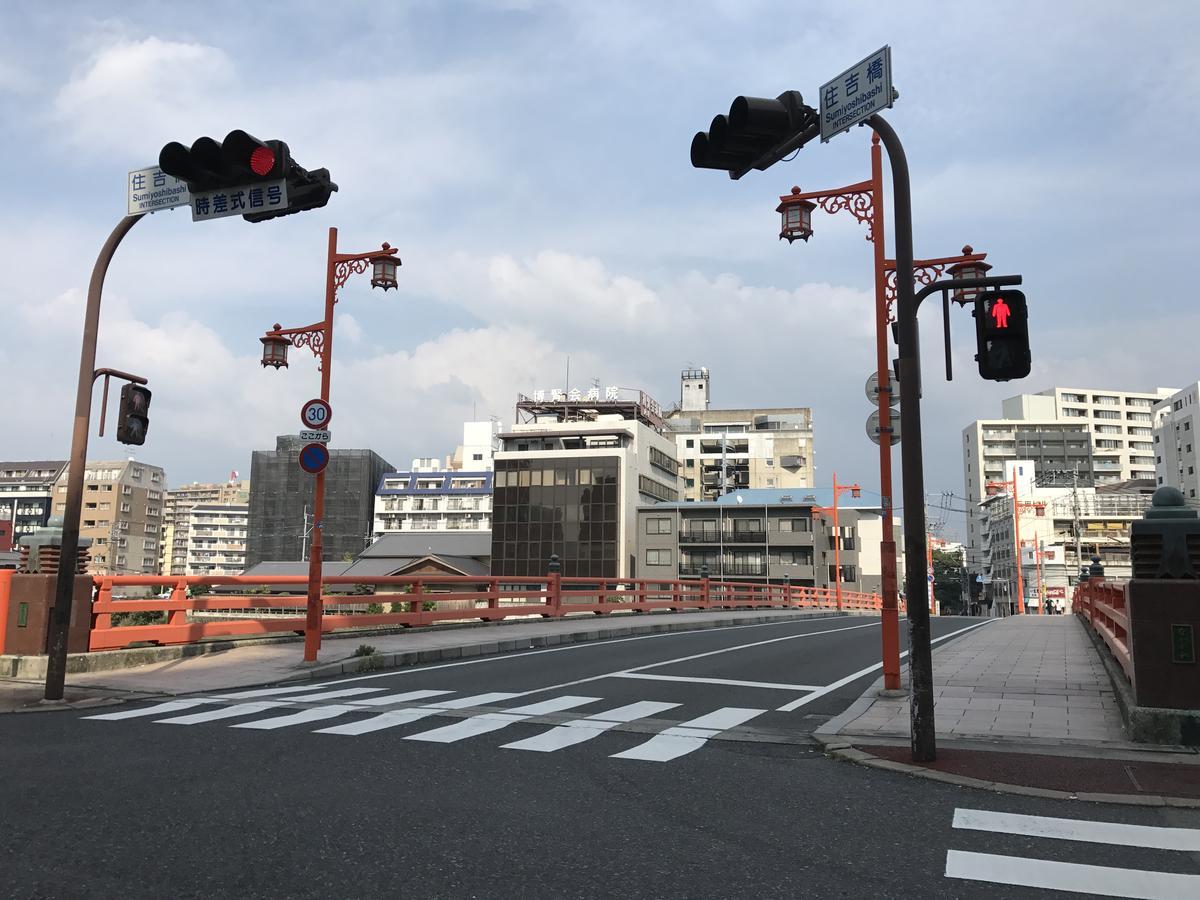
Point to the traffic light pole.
(64, 589)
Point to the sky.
(530, 161)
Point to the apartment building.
(722, 450)
(433, 501)
(26, 492)
(122, 515)
(1176, 447)
(764, 535)
(1060, 527)
(281, 502)
(1083, 437)
(569, 479)
(177, 509)
(216, 536)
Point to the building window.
(689, 443)
(688, 482)
(657, 489)
(689, 463)
(747, 526)
(662, 461)
(477, 456)
(794, 525)
(658, 525)
(658, 557)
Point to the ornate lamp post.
(864, 200)
(319, 339)
(838, 490)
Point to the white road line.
(334, 695)
(406, 697)
(588, 645)
(1159, 838)
(316, 714)
(688, 736)
(753, 684)
(576, 732)
(266, 692)
(169, 706)
(404, 716)
(841, 682)
(222, 712)
(1102, 881)
(489, 722)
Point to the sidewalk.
(259, 664)
(1023, 705)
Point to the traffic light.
(1002, 335)
(306, 190)
(757, 133)
(134, 419)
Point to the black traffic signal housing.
(757, 133)
(242, 159)
(1002, 335)
(134, 419)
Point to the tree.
(947, 581)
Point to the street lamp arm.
(954, 284)
(344, 265)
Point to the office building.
(764, 535)
(1176, 448)
(720, 450)
(216, 536)
(569, 479)
(26, 491)
(177, 511)
(433, 501)
(281, 502)
(121, 516)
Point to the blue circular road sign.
(314, 458)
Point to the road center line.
(841, 682)
(753, 684)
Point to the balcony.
(745, 569)
(746, 537)
(700, 536)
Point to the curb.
(384, 662)
(841, 749)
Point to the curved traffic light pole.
(64, 591)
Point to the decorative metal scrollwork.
(923, 275)
(859, 204)
(344, 269)
(313, 340)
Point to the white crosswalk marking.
(267, 692)
(689, 736)
(334, 695)
(580, 730)
(488, 722)
(404, 716)
(222, 712)
(1101, 881)
(169, 706)
(1159, 838)
(315, 714)
(406, 697)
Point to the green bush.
(398, 607)
(364, 650)
(374, 608)
(138, 618)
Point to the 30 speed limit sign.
(316, 414)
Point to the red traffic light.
(262, 161)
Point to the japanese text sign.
(859, 92)
(152, 189)
(237, 201)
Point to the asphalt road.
(644, 787)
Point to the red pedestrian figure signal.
(1000, 311)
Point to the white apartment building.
(722, 450)
(569, 480)
(216, 539)
(1176, 447)
(177, 507)
(1079, 436)
(433, 500)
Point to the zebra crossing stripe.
(334, 695)
(222, 712)
(1100, 881)
(580, 730)
(315, 714)
(488, 722)
(1153, 836)
(689, 736)
(403, 716)
(266, 692)
(406, 697)
(158, 708)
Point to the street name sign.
(859, 92)
(151, 189)
(237, 201)
(314, 458)
(315, 437)
(315, 414)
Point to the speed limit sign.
(316, 414)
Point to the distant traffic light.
(1002, 335)
(134, 419)
(757, 133)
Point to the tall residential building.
(217, 539)
(767, 536)
(26, 489)
(721, 450)
(281, 502)
(570, 477)
(122, 515)
(433, 501)
(176, 512)
(480, 443)
(1079, 436)
(1176, 442)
